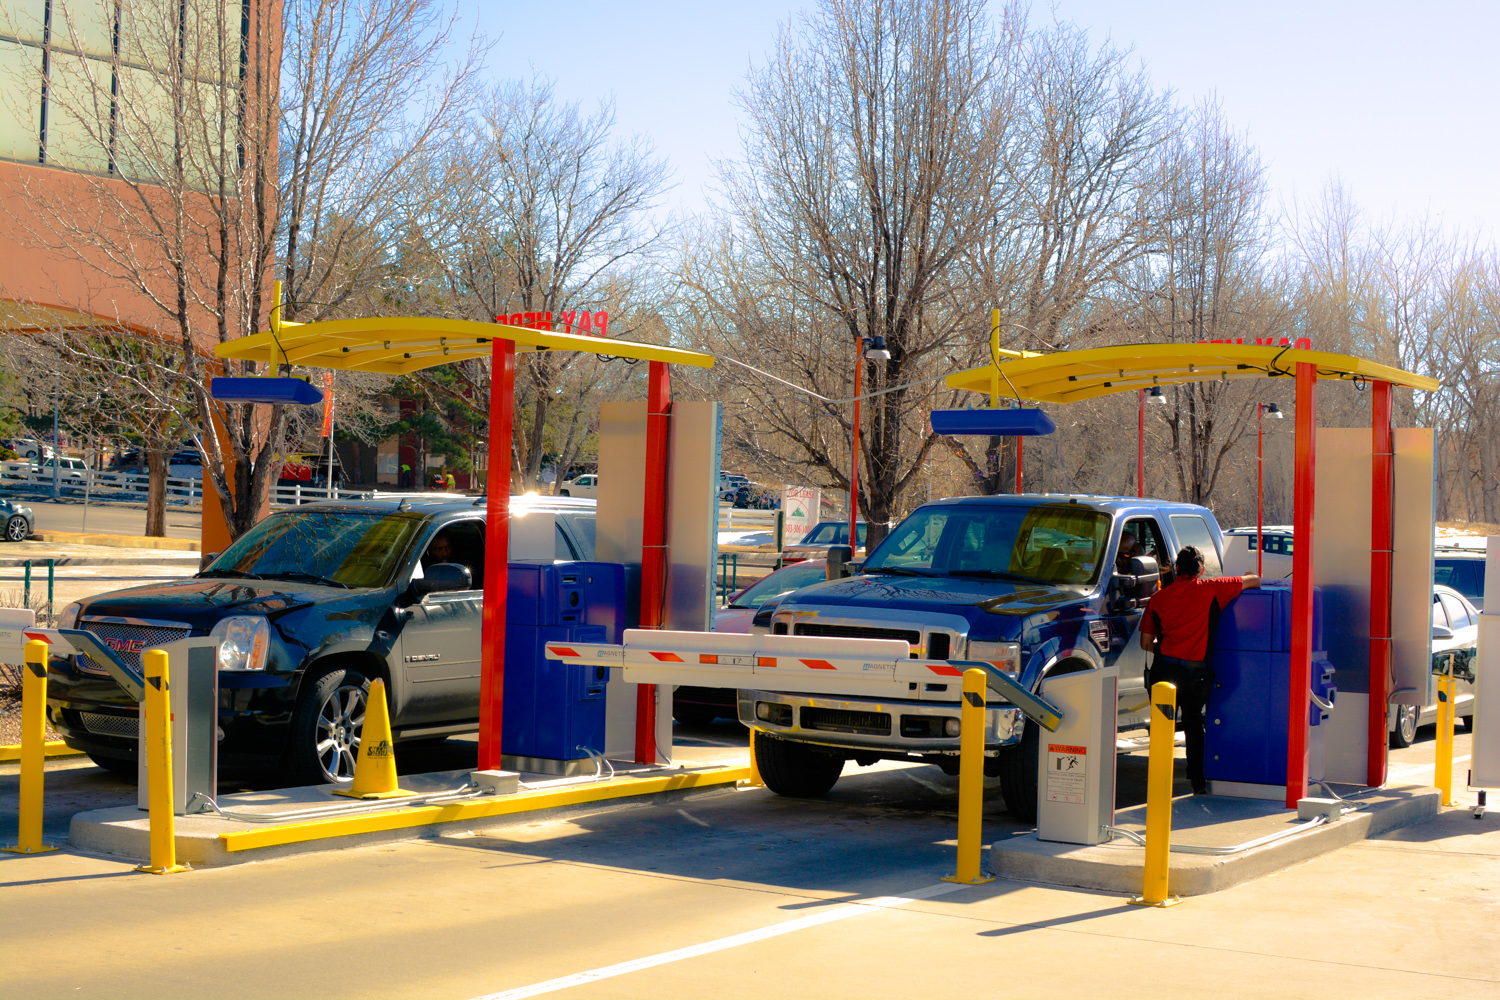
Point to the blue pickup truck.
(1039, 585)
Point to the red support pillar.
(496, 553)
(1300, 683)
(653, 544)
(1019, 451)
(1382, 481)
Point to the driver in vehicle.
(439, 550)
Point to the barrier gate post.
(33, 754)
(157, 719)
(1159, 797)
(971, 782)
(1444, 777)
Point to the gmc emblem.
(126, 645)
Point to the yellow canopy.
(398, 345)
(1069, 376)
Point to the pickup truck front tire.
(795, 770)
(1018, 783)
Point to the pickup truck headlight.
(1005, 655)
(243, 640)
(69, 616)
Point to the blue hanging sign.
(1017, 422)
(262, 389)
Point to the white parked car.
(1240, 551)
(586, 486)
(29, 448)
(68, 469)
(1455, 632)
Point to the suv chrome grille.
(837, 720)
(110, 725)
(129, 640)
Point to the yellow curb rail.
(51, 748)
(118, 541)
(402, 819)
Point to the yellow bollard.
(375, 767)
(971, 783)
(755, 780)
(1444, 775)
(33, 752)
(158, 722)
(1159, 797)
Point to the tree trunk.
(156, 494)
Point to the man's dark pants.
(1194, 682)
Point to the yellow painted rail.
(401, 819)
(52, 748)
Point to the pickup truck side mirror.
(441, 579)
(1140, 583)
(206, 560)
(839, 557)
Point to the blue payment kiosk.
(554, 710)
(1245, 745)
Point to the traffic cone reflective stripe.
(375, 767)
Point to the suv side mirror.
(441, 579)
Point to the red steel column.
(1019, 442)
(496, 553)
(1382, 479)
(1299, 685)
(653, 545)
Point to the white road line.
(931, 786)
(690, 817)
(840, 912)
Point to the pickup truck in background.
(1035, 584)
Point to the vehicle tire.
(1468, 721)
(1405, 732)
(694, 716)
(122, 766)
(326, 726)
(1018, 774)
(564, 493)
(795, 770)
(16, 529)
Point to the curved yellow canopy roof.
(1069, 376)
(402, 344)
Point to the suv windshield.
(1061, 545)
(347, 548)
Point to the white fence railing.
(134, 486)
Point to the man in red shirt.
(1175, 628)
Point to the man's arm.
(1149, 638)
(1250, 581)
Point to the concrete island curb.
(119, 541)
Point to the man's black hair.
(1189, 562)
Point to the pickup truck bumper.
(884, 727)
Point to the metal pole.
(1381, 482)
(970, 867)
(496, 553)
(33, 753)
(1260, 482)
(1140, 448)
(653, 544)
(26, 585)
(158, 722)
(1159, 797)
(859, 367)
(330, 439)
(1299, 682)
(56, 441)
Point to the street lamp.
(866, 349)
(1154, 394)
(1261, 411)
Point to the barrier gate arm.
(72, 641)
(799, 664)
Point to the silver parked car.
(1455, 633)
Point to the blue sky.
(1398, 99)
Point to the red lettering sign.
(592, 324)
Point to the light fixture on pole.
(1262, 409)
(867, 349)
(875, 349)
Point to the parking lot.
(742, 893)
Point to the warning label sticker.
(1067, 769)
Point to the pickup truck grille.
(858, 632)
(130, 641)
(835, 720)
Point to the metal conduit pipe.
(1130, 835)
(467, 791)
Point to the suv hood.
(967, 596)
(202, 602)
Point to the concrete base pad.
(1210, 821)
(200, 838)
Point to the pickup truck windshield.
(1061, 545)
(345, 548)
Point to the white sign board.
(799, 508)
(1066, 770)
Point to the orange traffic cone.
(375, 768)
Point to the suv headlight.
(1005, 655)
(69, 616)
(243, 641)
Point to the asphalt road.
(108, 518)
(744, 894)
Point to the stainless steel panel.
(1484, 768)
(1415, 534)
(622, 488)
(693, 515)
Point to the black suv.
(310, 605)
